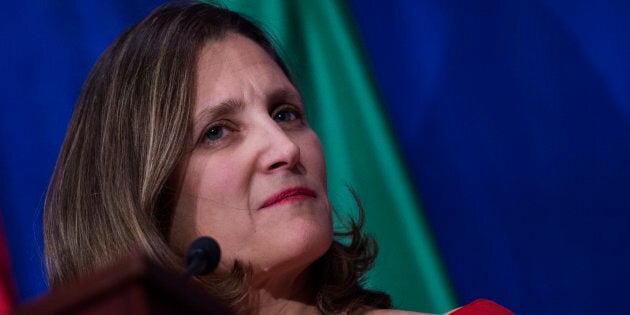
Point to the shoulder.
(480, 306)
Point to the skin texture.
(251, 148)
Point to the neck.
(292, 293)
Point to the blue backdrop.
(514, 117)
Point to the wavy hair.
(111, 190)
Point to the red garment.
(7, 286)
(482, 307)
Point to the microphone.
(202, 256)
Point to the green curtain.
(319, 41)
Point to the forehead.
(233, 50)
(236, 67)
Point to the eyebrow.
(284, 93)
(225, 108)
(232, 106)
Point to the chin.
(309, 235)
(300, 250)
(315, 243)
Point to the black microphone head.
(202, 256)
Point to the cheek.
(208, 194)
(211, 179)
(313, 157)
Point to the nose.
(277, 149)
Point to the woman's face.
(255, 179)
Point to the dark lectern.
(131, 286)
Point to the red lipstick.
(290, 194)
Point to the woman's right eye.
(215, 133)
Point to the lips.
(291, 194)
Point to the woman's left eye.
(284, 115)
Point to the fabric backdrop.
(507, 121)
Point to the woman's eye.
(284, 115)
(215, 133)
